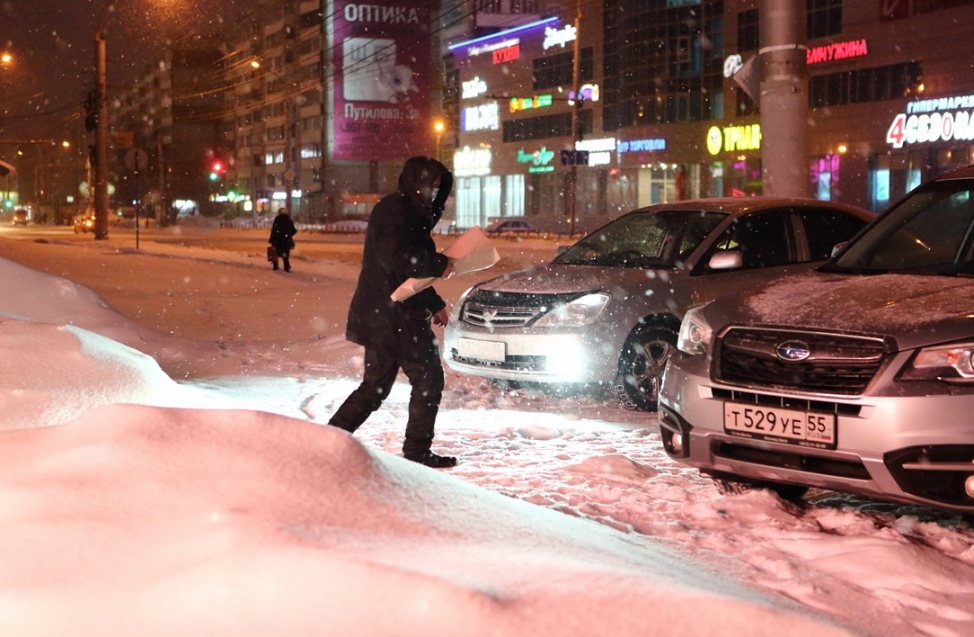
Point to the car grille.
(498, 317)
(837, 364)
(789, 402)
(499, 310)
(511, 363)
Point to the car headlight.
(945, 362)
(695, 333)
(582, 311)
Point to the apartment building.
(164, 127)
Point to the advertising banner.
(382, 81)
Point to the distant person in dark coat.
(397, 335)
(282, 238)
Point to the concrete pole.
(576, 105)
(288, 166)
(101, 140)
(784, 98)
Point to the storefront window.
(492, 196)
(481, 199)
(514, 195)
(657, 185)
(468, 202)
(881, 184)
(825, 177)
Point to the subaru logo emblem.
(793, 351)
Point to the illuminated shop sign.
(641, 145)
(555, 37)
(356, 12)
(482, 117)
(733, 64)
(599, 150)
(490, 48)
(473, 88)
(733, 138)
(480, 45)
(528, 103)
(507, 54)
(472, 162)
(836, 51)
(933, 120)
(539, 160)
(589, 93)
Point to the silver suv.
(857, 377)
(607, 310)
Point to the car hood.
(566, 279)
(916, 310)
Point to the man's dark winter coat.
(398, 246)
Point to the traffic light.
(217, 169)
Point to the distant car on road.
(510, 226)
(856, 377)
(84, 223)
(21, 217)
(607, 310)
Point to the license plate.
(494, 351)
(789, 426)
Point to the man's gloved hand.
(441, 318)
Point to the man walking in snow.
(398, 335)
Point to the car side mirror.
(839, 247)
(726, 260)
(560, 249)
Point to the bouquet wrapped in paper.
(472, 251)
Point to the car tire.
(641, 366)
(789, 492)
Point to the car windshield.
(930, 232)
(651, 239)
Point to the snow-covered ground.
(222, 504)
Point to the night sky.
(52, 42)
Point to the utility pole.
(101, 139)
(288, 164)
(576, 105)
(784, 98)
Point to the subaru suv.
(857, 377)
(607, 310)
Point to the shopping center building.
(664, 115)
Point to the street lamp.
(439, 127)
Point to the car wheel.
(789, 492)
(641, 367)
